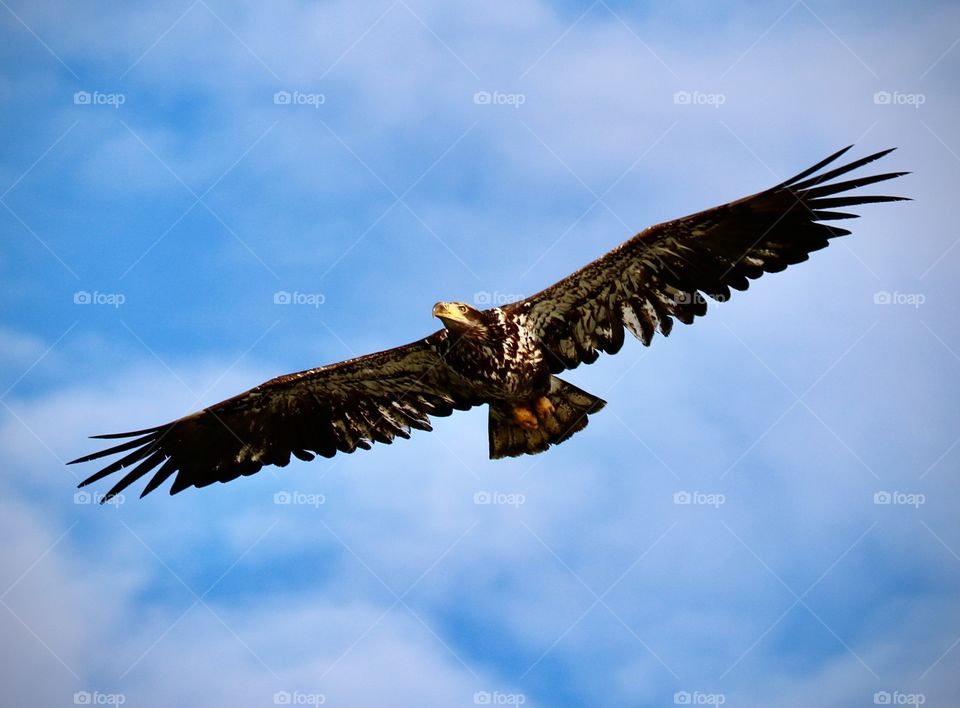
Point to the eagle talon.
(544, 408)
(545, 412)
(525, 418)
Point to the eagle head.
(460, 317)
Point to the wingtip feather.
(130, 434)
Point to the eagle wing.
(660, 273)
(336, 408)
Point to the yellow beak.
(449, 312)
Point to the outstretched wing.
(321, 411)
(661, 272)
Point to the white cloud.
(69, 598)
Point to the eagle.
(505, 357)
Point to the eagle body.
(506, 357)
(498, 356)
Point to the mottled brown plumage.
(506, 356)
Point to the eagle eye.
(463, 309)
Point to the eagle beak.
(449, 313)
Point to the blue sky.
(156, 197)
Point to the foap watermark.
(886, 297)
(496, 298)
(696, 298)
(698, 98)
(98, 98)
(698, 698)
(296, 498)
(298, 698)
(85, 297)
(96, 698)
(499, 98)
(897, 498)
(285, 297)
(498, 698)
(899, 98)
(695, 498)
(299, 98)
(85, 497)
(495, 498)
(896, 698)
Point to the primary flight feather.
(505, 357)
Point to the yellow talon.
(545, 411)
(544, 408)
(525, 418)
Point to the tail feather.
(571, 408)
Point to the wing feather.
(342, 407)
(662, 273)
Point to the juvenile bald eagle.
(505, 357)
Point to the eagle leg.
(544, 408)
(545, 412)
(525, 418)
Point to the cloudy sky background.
(182, 198)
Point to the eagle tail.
(571, 406)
